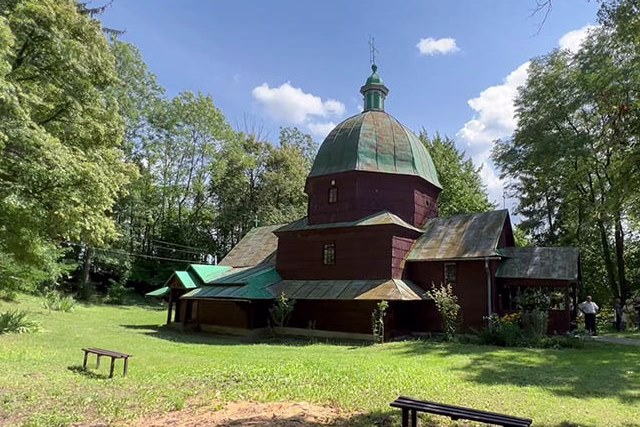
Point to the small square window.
(333, 195)
(329, 254)
(450, 271)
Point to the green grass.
(42, 383)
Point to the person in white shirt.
(589, 308)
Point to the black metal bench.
(410, 408)
(112, 354)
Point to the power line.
(175, 244)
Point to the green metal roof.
(380, 218)
(460, 236)
(207, 273)
(560, 263)
(258, 246)
(374, 141)
(187, 279)
(158, 292)
(246, 283)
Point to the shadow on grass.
(78, 369)
(170, 333)
(596, 371)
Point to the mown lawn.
(41, 383)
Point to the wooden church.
(372, 233)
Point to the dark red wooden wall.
(361, 194)
(364, 252)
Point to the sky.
(452, 67)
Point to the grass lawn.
(41, 383)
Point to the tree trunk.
(623, 287)
(608, 262)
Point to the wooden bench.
(410, 408)
(99, 352)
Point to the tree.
(573, 159)
(61, 168)
(462, 187)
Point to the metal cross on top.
(372, 50)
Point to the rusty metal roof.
(380, 218)
(460, 236)
(383, 289)
(560, 263)
(257, 246)
(374, 141)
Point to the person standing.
(589, 308)
(618, 308)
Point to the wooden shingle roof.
(258, 246)
(559, 263)
(460, 237)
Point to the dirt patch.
(281, 414)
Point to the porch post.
(170, 307)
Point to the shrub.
(54, 301)
(448, 307)
(535, 323)
(377, 322)
(16, 322)
(503, 332)
(116, 293)
(281, 310)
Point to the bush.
(55, 301)
(447, 305)
(535, 323)
(503, 332)
(116, 293)
(377, 322)
(281, 310)
(16, 322)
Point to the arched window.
(333, 192)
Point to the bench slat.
(459, 412)
(464, 413)
(103, 352)
(403, 399)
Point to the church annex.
(372, 233)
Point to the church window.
(450, 273)
(333, 192)
(329, 254)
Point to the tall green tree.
(462, 188)
(61, 168)
(573, 159)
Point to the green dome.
(374, 78)
(374, 141)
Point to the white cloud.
(573, 39)
(494, 116)
(293, 105)
(494, 111)
(431, 46)
(320, 130)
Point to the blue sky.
(301, 63)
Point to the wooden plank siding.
(361, 194)
(470, 286)
(372, 252)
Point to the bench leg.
(84, 364)
(414, 418)
(126, 366)
(405, 417)
(98, 361)
(113, 362)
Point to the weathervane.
(372, 50)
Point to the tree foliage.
(61, 168)
(574, 159)
(462, 188)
